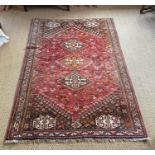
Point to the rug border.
(21, 73)
(84, 139)
(129, 78)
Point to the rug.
(74, 86)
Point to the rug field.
(74, 86)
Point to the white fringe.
(78, 140)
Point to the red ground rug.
(74, 85)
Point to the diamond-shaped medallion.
(75, 81)
(73, 45)
(74, 62)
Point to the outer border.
(128, 75)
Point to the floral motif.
(44, 122)
(108, 122)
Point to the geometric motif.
(74, 62)
(44, 122)
(108, 122)
(73, 45)
(52, 24)
(75, 81)
(91, 24)
(76, 124)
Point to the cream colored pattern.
(44, 122)
(137, 37)
(108, 122)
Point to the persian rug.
(74, 85)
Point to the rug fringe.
(77, 140)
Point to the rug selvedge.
(74, 85)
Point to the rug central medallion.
(74, 62)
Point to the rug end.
(78, 140)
